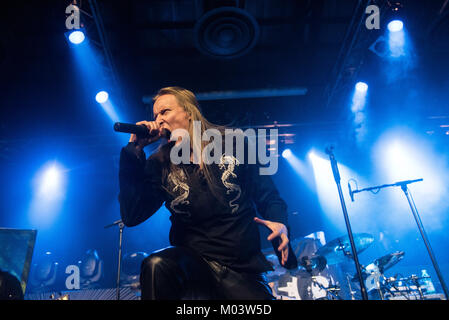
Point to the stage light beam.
(300, 167)
(102, 97)
(51, 179)
(49, 193)
(361, 87)
(286, 153)
(401, 154)
(395, 26)
(76, 37)
(396, 39)
(357, 107)
(328, 197)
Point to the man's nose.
(159, 120)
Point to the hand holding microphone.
(154, 133)
(142, 133)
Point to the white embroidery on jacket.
(228, 173)
(182, 187)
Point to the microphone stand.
(403, 185)
(336, 173)
(121, 226)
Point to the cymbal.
(380, 265)
(339, 249)
(295, 245)
(389, 260)
(367, 271)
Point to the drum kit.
(315, 280)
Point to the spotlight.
(91, 269)
(286, 153)
(361, 87)
(49, 193)
(395, 26)
(76, 37)
(102, 97)
(311, 155)
(44, 273)
(50, 181)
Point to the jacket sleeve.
(140, 193)
(265, 195)
(271, 207)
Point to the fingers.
(278, 230)
(284, 256)
(284, 249)
(273, 235)
(260, 221)
(270, 226)
(154, 130)
(284, 243)
(151, 125)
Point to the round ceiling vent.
(226, 32)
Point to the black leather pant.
(176, 273)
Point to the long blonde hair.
(187, 100)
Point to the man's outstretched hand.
(277, 230)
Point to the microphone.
(351, 194)
(139, 130)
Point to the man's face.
(169, 114)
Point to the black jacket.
(219, 229)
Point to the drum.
(372, 277)
(302, 286)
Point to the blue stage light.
(102, 97)
(403, 154)
(361, 87)
(300, 167)
(397, 42)
(328, 196)
(359, 97)
(286, 153)
(76, 37)
(395, 26)
(49, 194)
(359, 101)
(50, 181)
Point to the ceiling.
(261, 48)
(293, 45)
